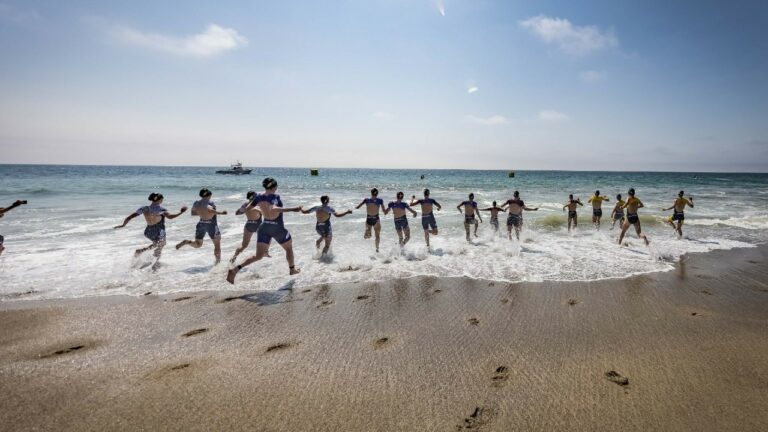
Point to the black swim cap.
(250, 194)
(597, 192)
(570, 196)
(517, 193)
(631, 191)
(471, 196)
(205, 192)
(155, 196)
(426, 192)
(324, 199)
(269, 183)
(400, 195)
(618, 197)
(374, 191)
(681, 193)
(494, 203)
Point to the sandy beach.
(681, 350)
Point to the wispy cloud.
(591, 76)
(472, 89)
(440, 4)
(572, 39)
(382, 115)
(553, 116)
(493, 120)
(17, 15)
(214, 40)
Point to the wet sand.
(683, 350)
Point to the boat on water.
(235, 169)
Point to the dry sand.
(683, 350)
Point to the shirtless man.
(495, 210)
(253, 221)
(398, 208)
(155, 215)
(428, 221)
(679, 215)
(271, 206)
(205, 209)
(470, 210)
(515, 218)
(571, 206)
(597, 207)
(3, 211)
(632, 205)
(617, 214)
(323, 213)
(372, 220)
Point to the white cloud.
(569, 38)
(440, 6)
(381, 115)
(472, 89)
(212, 41)
(552, 116)
(490, 121)
(592, 76)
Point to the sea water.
(62, 244)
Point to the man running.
(372, 220)
(495, 210)
(271, 206)
(398, 208)
(205, 209)
(617, 214)
(679, 215)
(597, 207)
(571, 206)
(470, 210)
(253, 221)
(428, 221)
(155, 215)
(632, 205)
(3, 211)
(515, 218)
(323, 226)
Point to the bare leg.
(196, 243)
(624, 229)
(400, 237)
(680, 228)
(142, 250)
(426, 237)
(407, 232)
(158, 250)
(476, 226)
(217, 248)
(640, 234)
(466, 228)
(288, 246)
(509, 231)
(367, 234)
(517, 232)
(570, 219)
(575, 221)
(2, 248)
(261, 252)
(327, 244)
(377, 231)
(246, 241)
(318, 242)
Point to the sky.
(570, 85)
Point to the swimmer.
(253, 221)
(515, 218)
(495, 210)
(597, 207)
(470, 210)
(617, 214)
(372, 220)
(571, 206)
(398, 208)
(271, 207)
(155, 215)
(679, 212)
(205, 209)
(323, 226)
(632, 205)
(428, 221)
(3, 211)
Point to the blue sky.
(597, 85)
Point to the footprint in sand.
(380, 342)
(229, 299)
(572, 302)
(195, 332)
(500, 376)
(695, 314)
(504, 301)
(363, 297)
(616, 378)
(473, 321)
(437, 291)
(325, 304)
(706, 292)
(279, 347)
(479, 417)
(182, 298)
(180, 367)
(307, 290)
(62, 351)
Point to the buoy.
(511, 174)
(313, 172)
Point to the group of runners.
(264, 217)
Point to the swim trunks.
(618, 215)
(571, 214)
(372, 220)
(470, 219)
(324, 228)
(272, 229)
(156, 232)
(401, 223)
(253, 225)
(632, 218)
(428, 221)
(495, 222)
(677, 216)
(209, 227)
(597, 212)
(514, 220)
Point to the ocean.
(62, 244)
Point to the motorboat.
(235, 169)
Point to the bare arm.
(128, 219)
(174, 216)
(689, 202)
(412, 211)
(579, 203)
(530, 208)
(361, 204)
(458, 207)
(12, 206)
(337, 214)
(439, 207)
(413, 200)
(305, 211)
